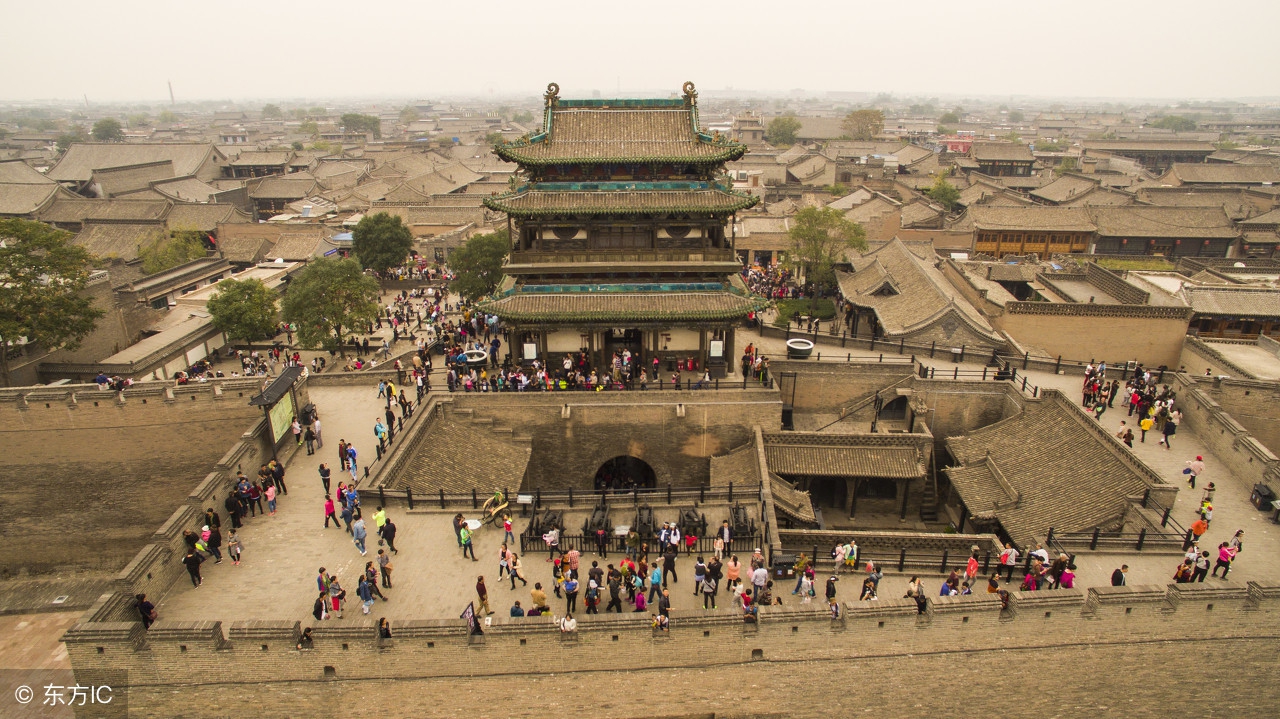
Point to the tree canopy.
(944, 193)
(70, 137)
(328, 297)
(782, 130)
(243, 309)
(409, 114)
(381, 241)
(819, 238)
(524, 117)
(272, 112)
(949, 118)
(1177, 123)
(478, 264)
(355, 122)
(170, 250)
(108, 130)
(42, 274)
(863, 124)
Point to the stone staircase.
(929, 498)
(483, 423)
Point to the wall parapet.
(1076, 309)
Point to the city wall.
(1209, 408)
(145, 448)
(198, 653)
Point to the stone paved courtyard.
(431, 580)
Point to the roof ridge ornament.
(552, 96)
(690, 93)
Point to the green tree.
(330, 296)
(523, 117)
(1066, 164)
(381, 242)
(478, 264)
(272, 112)
(1177, 123)
(863, 124)
(1016, 116)
(493, 138)
(168, 251)
(355, 122)
(949, 118)
(944, 193)
(309, 128)
(70, 137)
(140, 119)
(409, 114)
(167, 116)
(819, 238)
(296, 145)
(782, 130)
(244, 310)
(107, 130)
(43, 275)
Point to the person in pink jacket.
(1226, 555)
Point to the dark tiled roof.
(243, 250)
(121, 240)
(843, 461)
(1121, 146)
(622, 307)
(1193, 222)
(548, 199)
(82, 158)
(918, 294)
(72, 210)
(185, 216)
(284, 187)
(1233, 301)
(1225, 174)
(1049, 468)
(790, 500)
(1001, 151)
(1033, 219)
(260, 159)
(120, 180)
(599, 134)
(23, 199)
(486, 463)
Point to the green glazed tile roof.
(623, 307)
(611, 198)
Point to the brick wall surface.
(601, 426)
(1124, 618)
(85, 486)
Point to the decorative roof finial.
(690, 94)
(552, 95)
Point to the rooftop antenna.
(171, 102)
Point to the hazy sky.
(230, 49)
